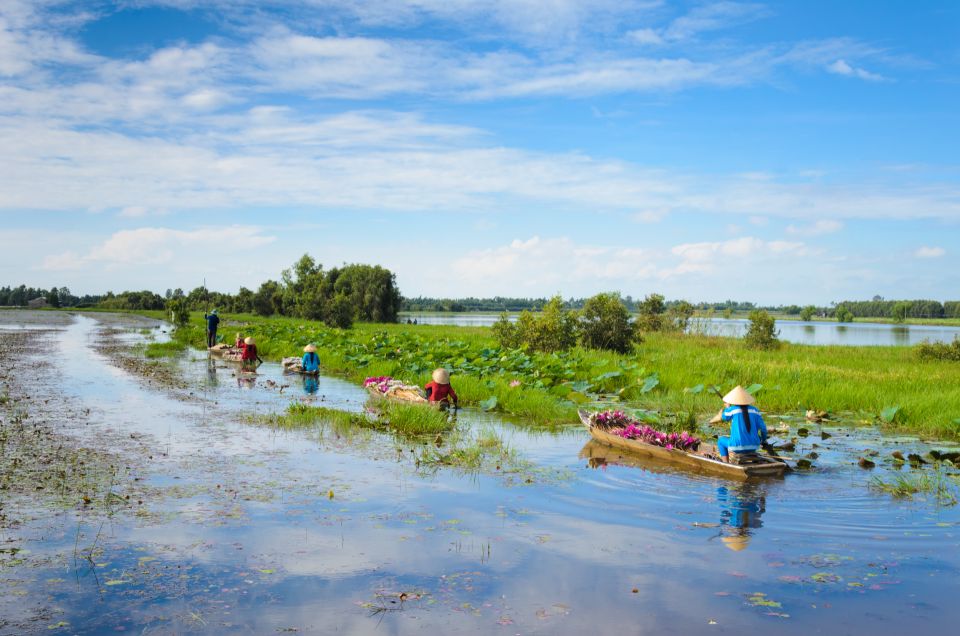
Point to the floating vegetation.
(407, 419)
(930, 482)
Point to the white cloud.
(823, 226)
(930, 252)
(651, 216)
(713, 16)
(133, 212)
(645, 36)
(841, 67)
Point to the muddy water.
(247, 529)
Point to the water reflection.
(741, 509)
(901, 335)
(212, 372)
(310, 384)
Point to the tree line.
(55, 297)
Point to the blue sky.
(776, 152)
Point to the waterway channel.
(246, 528)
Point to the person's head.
(441, 376)
(249, 340)
(738, 397)
(214, 312)
(310, 348)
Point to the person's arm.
(453, 394)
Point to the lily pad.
(650, 383)
(753, 389)
(489, 404)
(889, 414)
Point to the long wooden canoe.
(406, 397)
(227, 353)
(702, 461)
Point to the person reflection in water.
(740, 510)
(310, 384)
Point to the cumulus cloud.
(930, 252)
(157, 246)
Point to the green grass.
(485, 450)
(165, 349)
(858, 381)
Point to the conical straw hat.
(310, 348)
(738, 396)
(249, 340)
(441, 376)
(737, 543)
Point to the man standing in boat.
(213, 321)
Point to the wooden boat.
(703, 461)
(405, 396)
(293, 365)
(227, 353)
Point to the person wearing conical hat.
(311, 361)
(250, 357)
(440, 390)
(238, 342)
(747, 429)
(741, 508)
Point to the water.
(239, 532)
(798, 331)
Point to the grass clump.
(905, 486)
(165, 349)
(414, 419)
(485, 451)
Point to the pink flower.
(515, 383)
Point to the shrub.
(939, 350)
(338, 312)
(554, 329)
(806, 314)
(651, 311)
(680, 314)
(179, 312)
(762, 332)
(900, 311)
(605, 324)
(843, 314)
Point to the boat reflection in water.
(741, 509)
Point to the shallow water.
(798, 331)
(257, 530)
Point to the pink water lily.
(620, 424)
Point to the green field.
(671, 374)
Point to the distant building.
(37, 303)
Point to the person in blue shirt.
(213, 321)
(311, 361)
(747, 429)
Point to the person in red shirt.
(250, 357)
(440, 390)
(239, 341)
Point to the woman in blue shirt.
(747, 430)
(311, 361)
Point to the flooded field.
(153, 498)
(808, 333)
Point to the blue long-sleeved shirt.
(212, 321)
(744, 437)
(311, 362)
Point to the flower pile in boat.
(382, 382)
(620, 424)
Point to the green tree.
(269, 299)
(900, 311)
(843, 314)
(554, 329)
(53, 297)
(179, 311)
(807, 313)
(762, 331)
(338, 312)
(680, 314)
(651, 310)
(605, 324)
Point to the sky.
(778, 152)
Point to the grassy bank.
(668, 372)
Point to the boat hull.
(697, 462)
